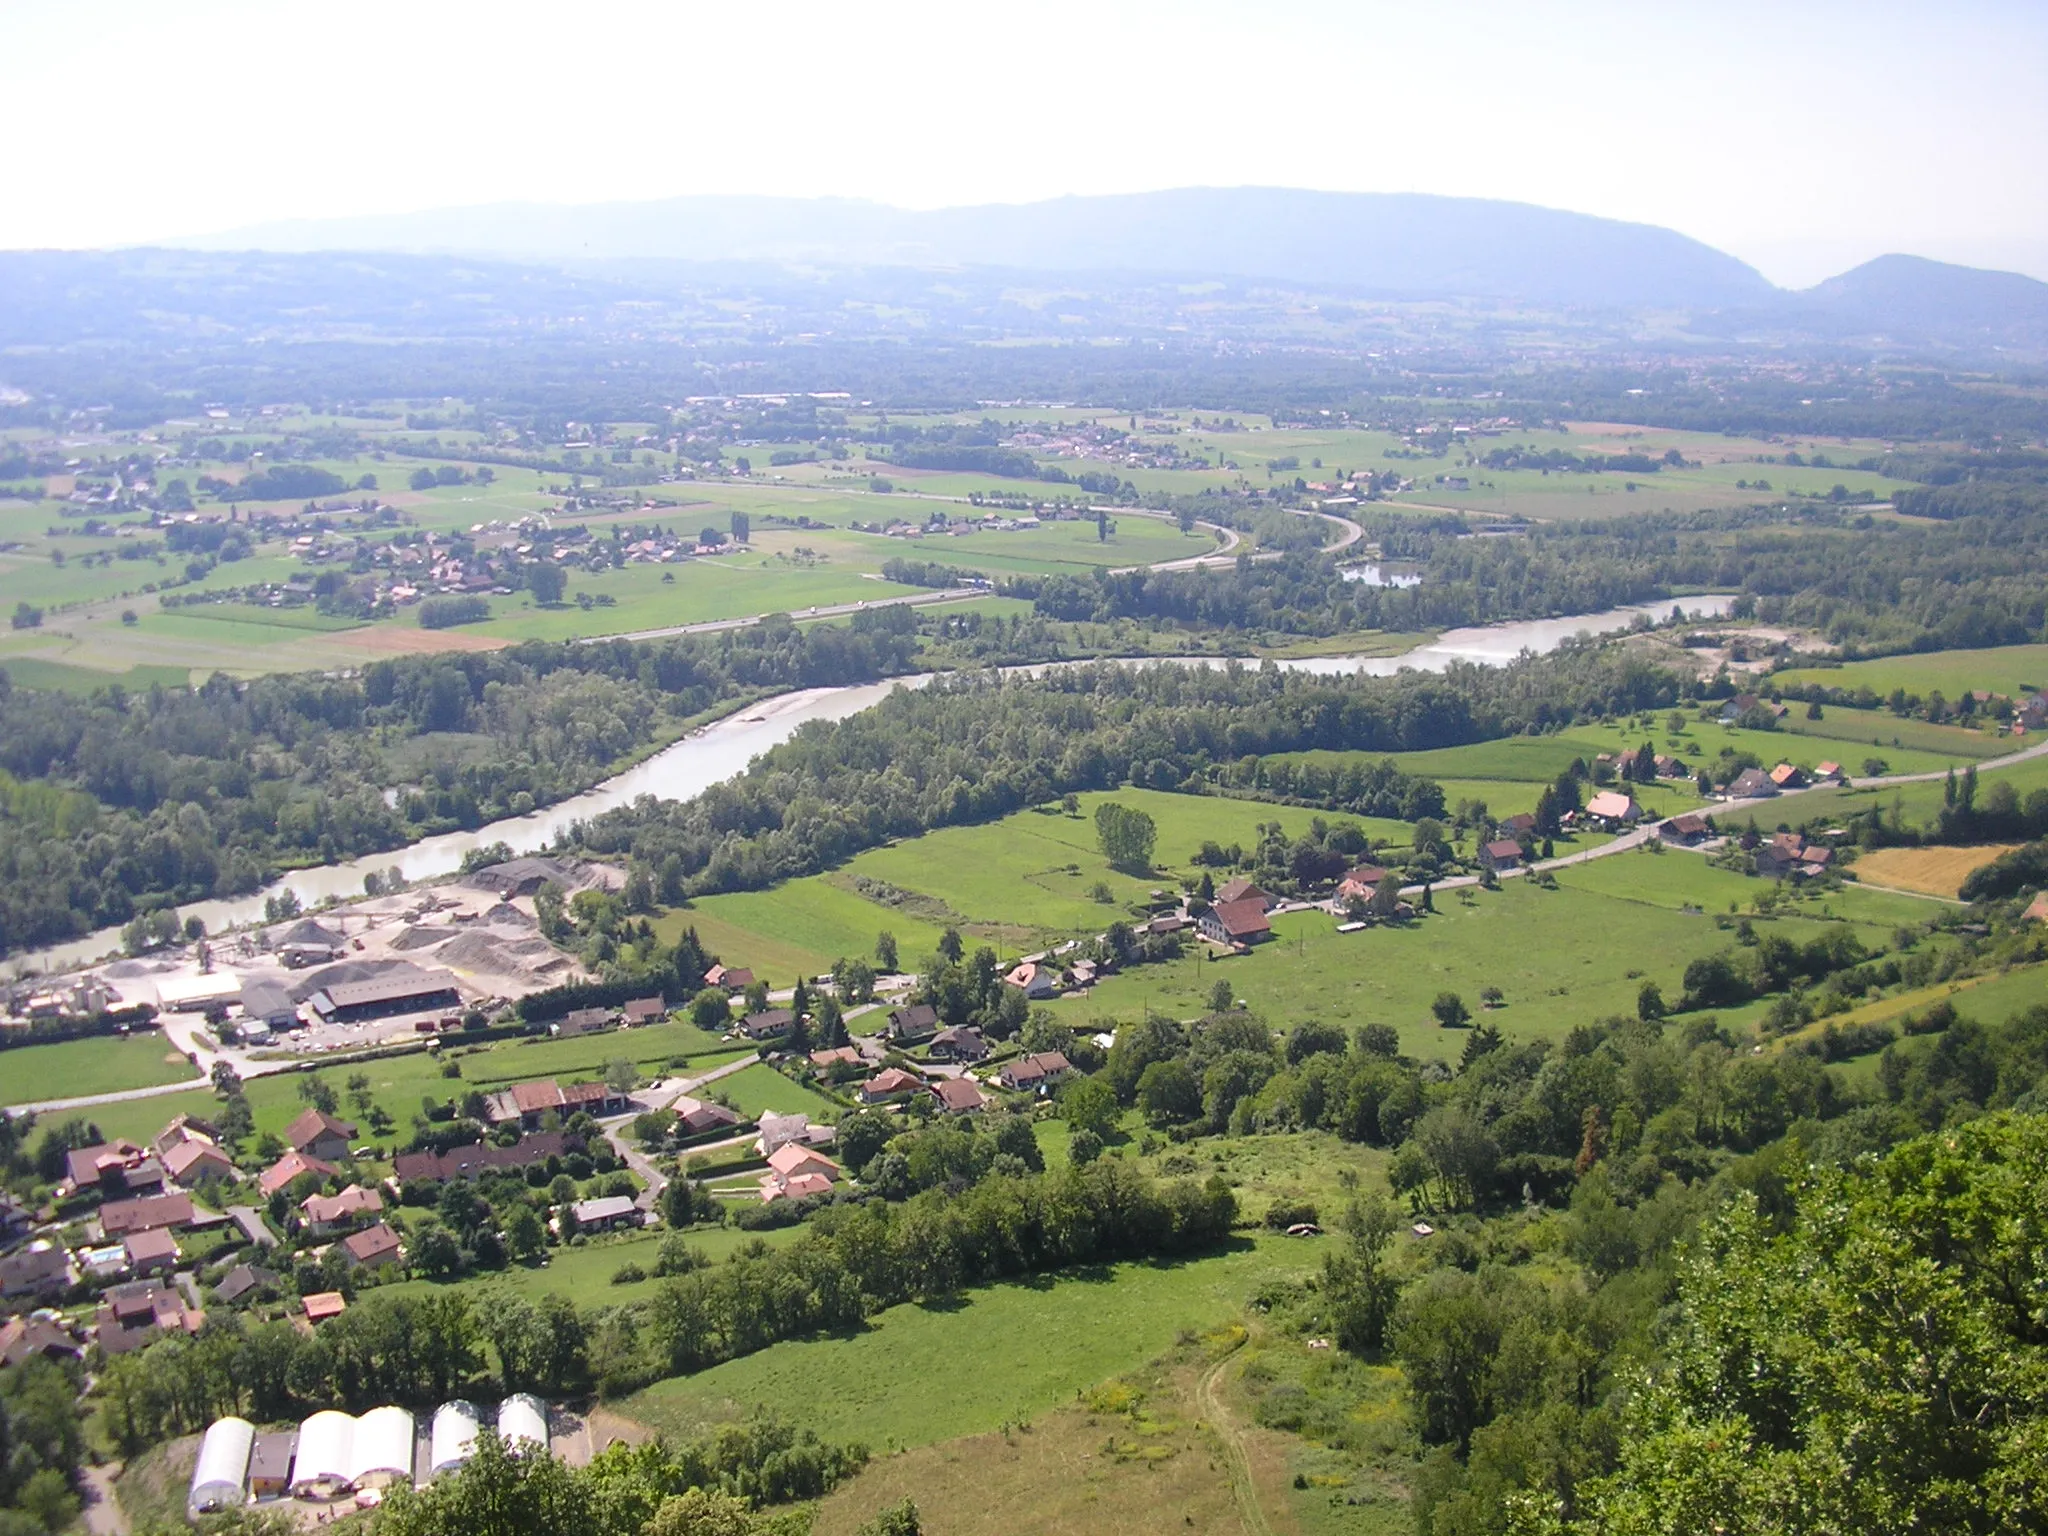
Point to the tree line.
(121, 803)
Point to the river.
(722, 750)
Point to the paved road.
(659, 1095)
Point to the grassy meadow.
(2008, 669)
(1561, 958)
(1056, 1334)
(77, 1068)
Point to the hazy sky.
(1804, 137)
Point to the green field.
(583, 1273)
(400, 1082)
(1918, 804)
(1019, 882)
(2009, 669)
(760, 1088)
(1562, 958)
(76, 1068)
(1044, 1339)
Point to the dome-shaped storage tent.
(523, 1417)
(217, 1481)
(384, 1448)
(454, 1435)
(326, 1462)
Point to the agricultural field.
(1887, 736)
(1057, 1334)
(77, 1068)
(2010, 669)
(1561, 958)
(1929, 871)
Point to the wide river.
(720, 751)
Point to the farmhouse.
(1829, 773)
(607, 1213)
(1360, 882)
(1237, 922)
(1786, 776)
(1242, 889)
(584, 1021)
(291, 1166)
(370, 1248)
(1613, 809)
(962, 1043)
(890, 1085)
(40, 1269)
(129, 1315)
(530, 1103)
(1751, 784)
(912, 1023)
(119, 1167)
(145, 1214)
(1035, 1073)
(24, 1338)
(729, 978)
(1501, 855)
(327, 1214)
(779, 1130)
(152, 1252)
(1033, 979)
(696, 1117)
(195, 1162)
(958, 1096)
(768, 1024)
(1689, 830)
(479, 1157)
(317, 1134)
(1518, 826)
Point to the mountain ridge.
(1393, 245)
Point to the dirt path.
(103, 1514)
(1236, 1460)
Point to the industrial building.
(523, 1418)
(218, 1480)
(333, 1454)
(411, 991)
(454, 1436)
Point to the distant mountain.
(1389, 245)
(1912, 299)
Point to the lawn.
(75, 1068)
(584, 1274)
(760, 1088)
(1053, 1335)
(799, 928)
(2007, 669)
(1562, 958)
